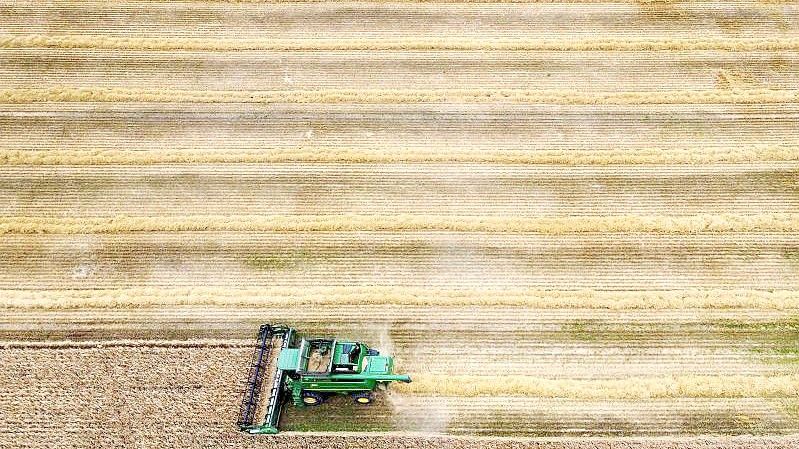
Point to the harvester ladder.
(258, 367)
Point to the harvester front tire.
(311, 399)
(363, 398)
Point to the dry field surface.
(575, 223)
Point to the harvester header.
(286, 366)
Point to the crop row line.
(689, 224)
(410, 155)
(396, 96)
(408, 296)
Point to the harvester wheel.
(363, 398)
(312, 399)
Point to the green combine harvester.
(307, 371)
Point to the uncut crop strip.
(389, 96)
(323, 223)
(405, 296)
(78, 392)
(421, 155)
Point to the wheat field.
(575, 223)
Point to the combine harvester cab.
(307, 372)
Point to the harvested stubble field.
(573, 220)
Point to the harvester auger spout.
(308, 372)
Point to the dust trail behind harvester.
(407, 414)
